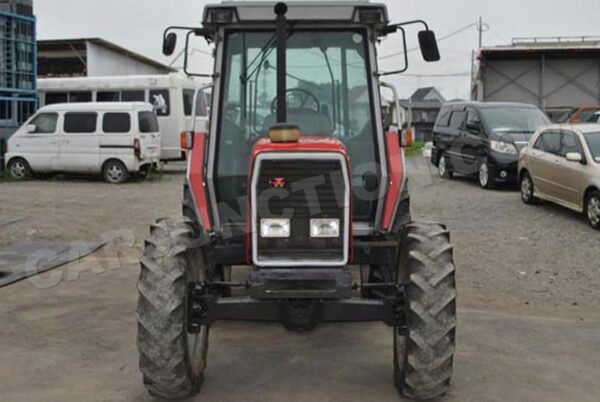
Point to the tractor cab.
(298, 183)
(311, 64)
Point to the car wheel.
(592, 209)
(19, 169)
(527, 191)
(486, 176)
(115, 172)
(443, 170)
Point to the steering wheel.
(305, 96)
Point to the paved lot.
(529, 324)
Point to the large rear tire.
(172, 360)
(423, 358)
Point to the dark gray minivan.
(483, 139)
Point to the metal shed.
(556, 74)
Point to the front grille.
(312, 189)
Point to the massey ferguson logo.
(278, 182)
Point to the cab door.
(80, 142)
(544, 162)
(570, 176)
(40, 147)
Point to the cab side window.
(45, 123)
(570, 144)
(549, 142)
(473, 119)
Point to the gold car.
(561, 164)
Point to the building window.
(80, 123)
(161, 102)
(114, 123)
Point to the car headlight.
(275, 228)
(324, 228)
(504, 147)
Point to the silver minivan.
(116, 140)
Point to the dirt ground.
(529, 321)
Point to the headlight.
(504, 147)
(325, 228)
(275, 228)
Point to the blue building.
(18, 66)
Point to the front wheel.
(443, 170)
(424, 351)
(486, 174)
(592, 209)
(172, 360)
(19, 169)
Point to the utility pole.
(480, 29)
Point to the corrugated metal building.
(556, 74)
(93, 57)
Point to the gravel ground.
(508, 254)
(529, 327)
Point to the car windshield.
(514, 120)
(589, 116)
(328, 94)
(593, 141)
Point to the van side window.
(188, 100)
(53, 98)
(457, 119)
(114, 123)
(549, 142)
(161, 102)
(444, 118)
(570, 143)
(133, 96)
(80, 122)
(45, 123)
(148, 122)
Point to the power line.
(450, 35)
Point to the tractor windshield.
(328, 94)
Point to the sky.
(138, 25)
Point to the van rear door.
(150, 136)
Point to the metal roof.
(69, 44)
(568, 46)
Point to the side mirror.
(31, 128)
(169, 44)
(574, 157)
(474, 127)
(429, 46)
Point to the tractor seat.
(310, 121)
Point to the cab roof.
(235, 12)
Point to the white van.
(171, 95)
(112, 139)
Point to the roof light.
(221, 15)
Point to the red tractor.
(298, 179)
